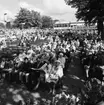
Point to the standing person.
(56, 75)
(58, 69)
(61, 58)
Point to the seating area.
(41, 58)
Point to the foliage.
(93, 94)
(2, 25)
(8, 25)
(36, 19)
(22, 17)
(27, 19)
(91, 11)
(47, 22)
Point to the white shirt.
(59, 71)
(62, 60)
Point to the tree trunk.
(102, 34)
(100, 27)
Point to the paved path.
(74, 75)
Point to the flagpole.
(5, 19)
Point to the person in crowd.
(62, 60)
(47, 50)
(58, 69)
(26, 65)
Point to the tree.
(8, 25)
(47, 22)
(22, 17)
(26, 19)
(2, 25)
(56, 20)
(91, 11)
(36, 19)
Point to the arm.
(43, 67)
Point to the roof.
(62, 22)
(66, 22)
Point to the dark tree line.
(91, 11)
(28, 19)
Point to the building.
(79, 26)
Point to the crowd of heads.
(48, 50)
(47, 45)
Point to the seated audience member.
(62, 59)
(26, 65)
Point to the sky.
(57, 9)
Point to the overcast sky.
(54, 8)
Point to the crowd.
(92, 58)
(50, 56)
(49, 53)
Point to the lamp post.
(5, 14)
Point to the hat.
(25, 58)
(57, 61)
(61, 54)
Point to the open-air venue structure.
(74, 26)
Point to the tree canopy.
(47, 22)
(91, 11)
(26, 19)
(2, 25)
